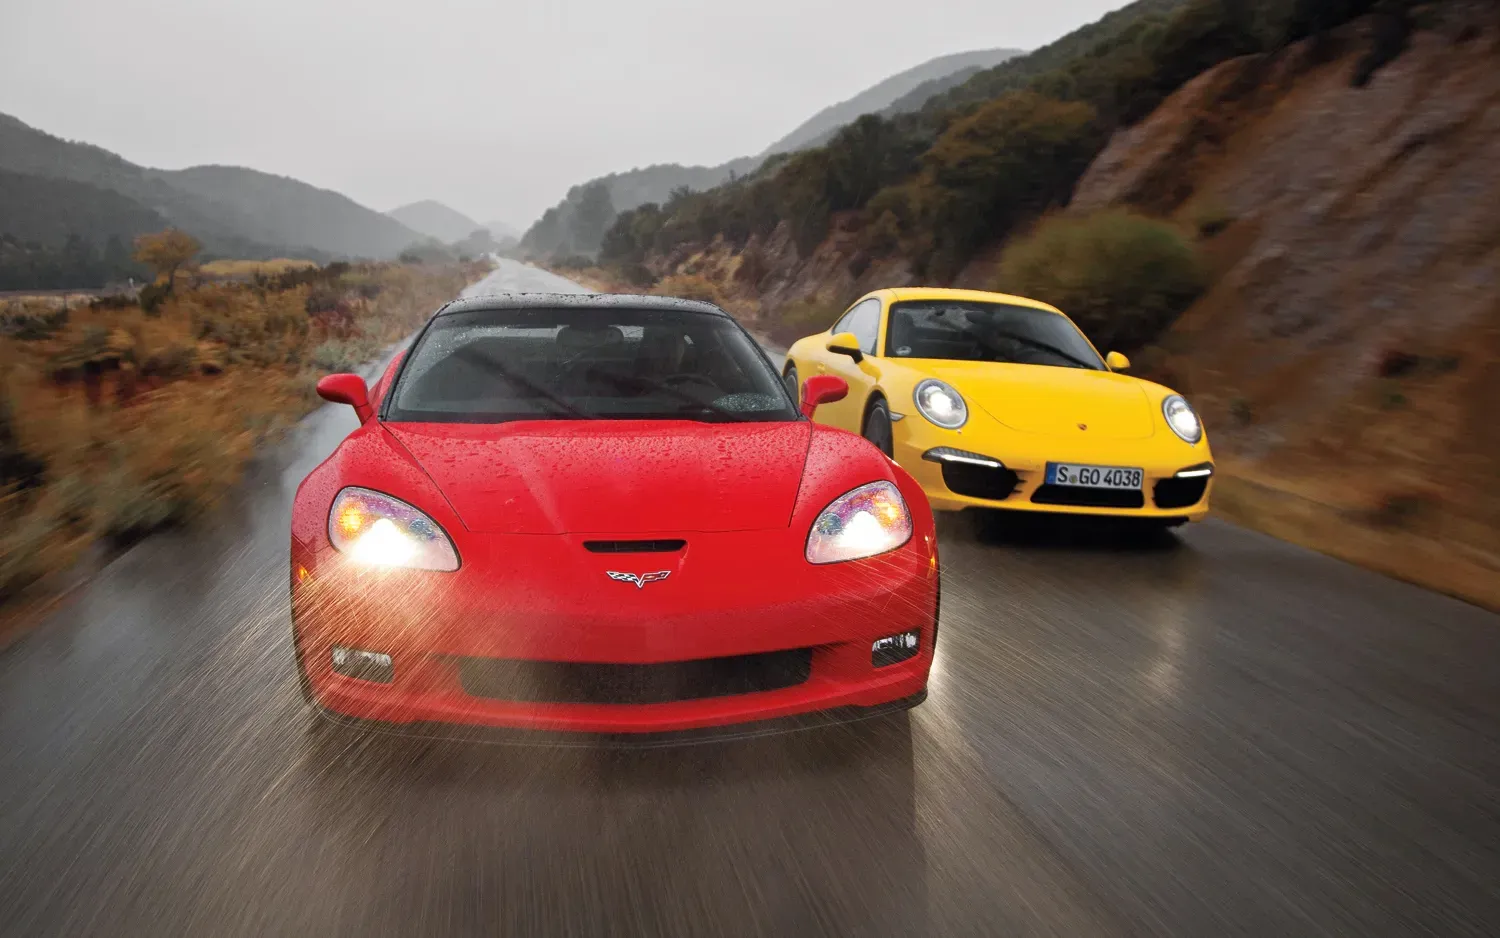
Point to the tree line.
(1002, 148)
(76, 263)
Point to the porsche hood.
(1054, 401)
(613, 477)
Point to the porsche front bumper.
(1019, 482)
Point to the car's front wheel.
(793, 386)
(878, 428)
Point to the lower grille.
(566, 682)
(979, 481)
(1180, 493)
(1081, 497)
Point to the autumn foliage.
(115, 422)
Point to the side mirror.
(1116, 361)
(846, 343)
(822, 389)
(347, 389)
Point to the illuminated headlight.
(870, 520)
(940, 403)
(1181, 418)
(380, 531)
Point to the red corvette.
(604, 514)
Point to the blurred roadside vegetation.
(989, 156)
(117, 420)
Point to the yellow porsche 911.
(996, 401)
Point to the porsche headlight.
(940, 403)
(380, 531)
(870, 520)
(1181, 418)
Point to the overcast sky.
(495, 108)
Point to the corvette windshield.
(587, 363)
(960, 330)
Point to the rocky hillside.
(1347, 351)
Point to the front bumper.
(507, 606)
(1021, 486)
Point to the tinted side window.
(864, 321)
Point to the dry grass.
(139, 422)
(246, 270)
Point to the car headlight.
(940, 403)
(870, 520)
(1181, 418)
(381, 531)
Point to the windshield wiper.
(1045, 347)
(489, 364)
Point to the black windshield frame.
(788, 411)
(1082, 354)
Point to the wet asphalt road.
(1207, 734)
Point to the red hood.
(613, 477)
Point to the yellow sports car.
(997, 401)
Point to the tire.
(793, 385)
(878, 428)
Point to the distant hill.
(500, 230)
(284, 211)
(47, 211)
(436, 220)
(902, 92)
(233, 211)
(561, 231)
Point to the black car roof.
(471, 304)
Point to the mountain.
(558, 231)
(436, 220)
(500, 230)
(233, 211)
(47, 211)
(281, 210)
(902, 92)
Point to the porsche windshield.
(960, 330)
(587, 363)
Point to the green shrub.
(1122, 277)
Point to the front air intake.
(634, 547)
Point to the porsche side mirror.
(347, 389)
(846, 343)
(1116, 361)
(822, 389)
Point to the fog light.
(894, 649)
(364, 665)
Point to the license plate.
(1094, 477)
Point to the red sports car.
(604, 514)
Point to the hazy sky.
(494, 108)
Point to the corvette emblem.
(1083, 426)
(639, 579)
